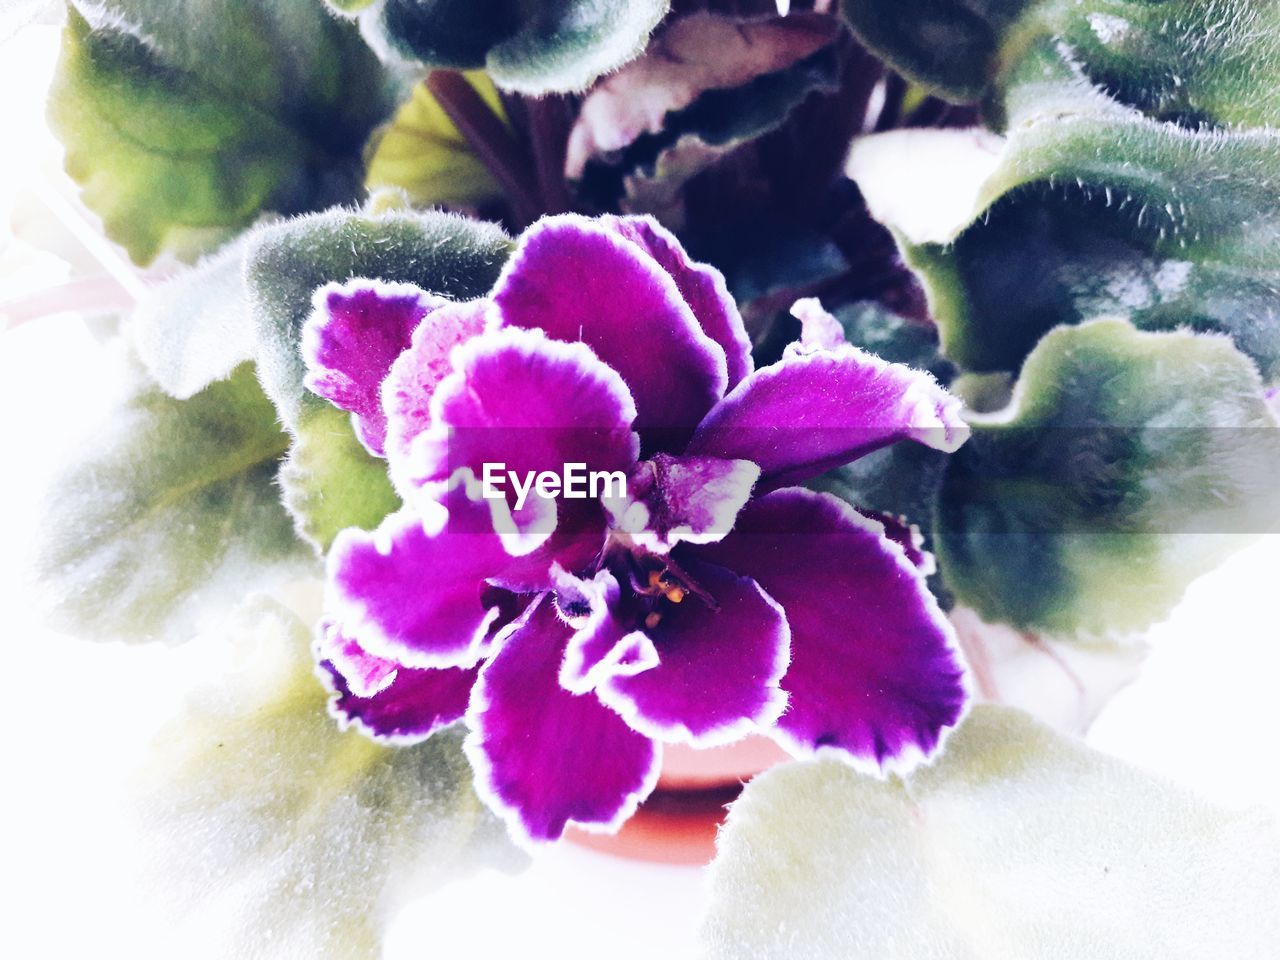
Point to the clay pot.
(677, 824)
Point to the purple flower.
(711, 599)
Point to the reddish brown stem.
(492, 142)
(549, 122)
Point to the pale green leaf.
(1017, 844)
(196, 328)
(274, 833)
(422, 153)
(169, 512)
(329, 481)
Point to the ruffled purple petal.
(363, 674)
(818, 408)
(576, 279)
(354, 334)
(414, 705)
(601, 645)
(702, 287)
(718, 671)
(545, 757)
(576, 544)
(875, 671)
(819, 330)
(673, 499)
(520, 402)
(415, 374)
(416, 594)
(906, 535)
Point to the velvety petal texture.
(601, 645)
(819, 330)
(701, 286)
(415, 374)
(354, 334)
(413, 594)
(719, 667)
(820, 408)
(545, 757)
(414, 705)
(673, 499)
(906, 535)
(875, 671)
(578, 280)
(520, 402)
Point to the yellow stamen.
(653, 619)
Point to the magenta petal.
(544, 756)
(875, 674)
(906, 535)
(673, 499)
(414, 705)
(819, 330)
(354, 334)
(362, 673)
(518, 401)
(415, 595)
(415, 374)
(702, 287)
(601, 645)
(576, 544)
(578, 280)
(718, 671)
(812, 411)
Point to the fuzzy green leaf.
(532, 48)
(1190, 60)
(1096, 209)
(183, 122)
(422, 152)
(1017, 843)
(276, 834)
(171, 510)
(330, 482)
(1126, 465)
(951, 47)
(1087, 208)
(287, 262)
(196, 328)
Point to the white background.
(79, 714)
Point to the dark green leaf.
(183, 122)
(532, 48)
(1189, 60)
(1128, 464)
